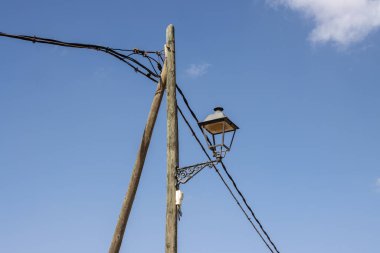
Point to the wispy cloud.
(342, 22)
(197, 70)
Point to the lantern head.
(221, 130)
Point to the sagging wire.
(151, 74)
(137, 66)
(229, 176)
(223, 180)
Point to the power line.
(133, 63)
(192, 113)
(223, 180)
(250, 209)
(228, 174)
(151, 74)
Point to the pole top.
(170, 27)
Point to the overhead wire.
(191, 110)
(149, 73)
(247, 205)
(221, 177)
(228, 174)
(133, 63)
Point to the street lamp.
(216, 125)
(221, 130)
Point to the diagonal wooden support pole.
(138, 167)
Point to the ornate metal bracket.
(186, 173)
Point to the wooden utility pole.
(172, 144)
(138, 167)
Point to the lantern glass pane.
(217, 127)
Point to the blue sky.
(300, 79)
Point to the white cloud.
(339, 21)
(197, 70)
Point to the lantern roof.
(218, 122)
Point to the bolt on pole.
(172, 144)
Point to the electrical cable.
(151, 64)
(223, 180)
(133, 63)
(191, 111)
(246, 204)
(149, 73)
(226, 171)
